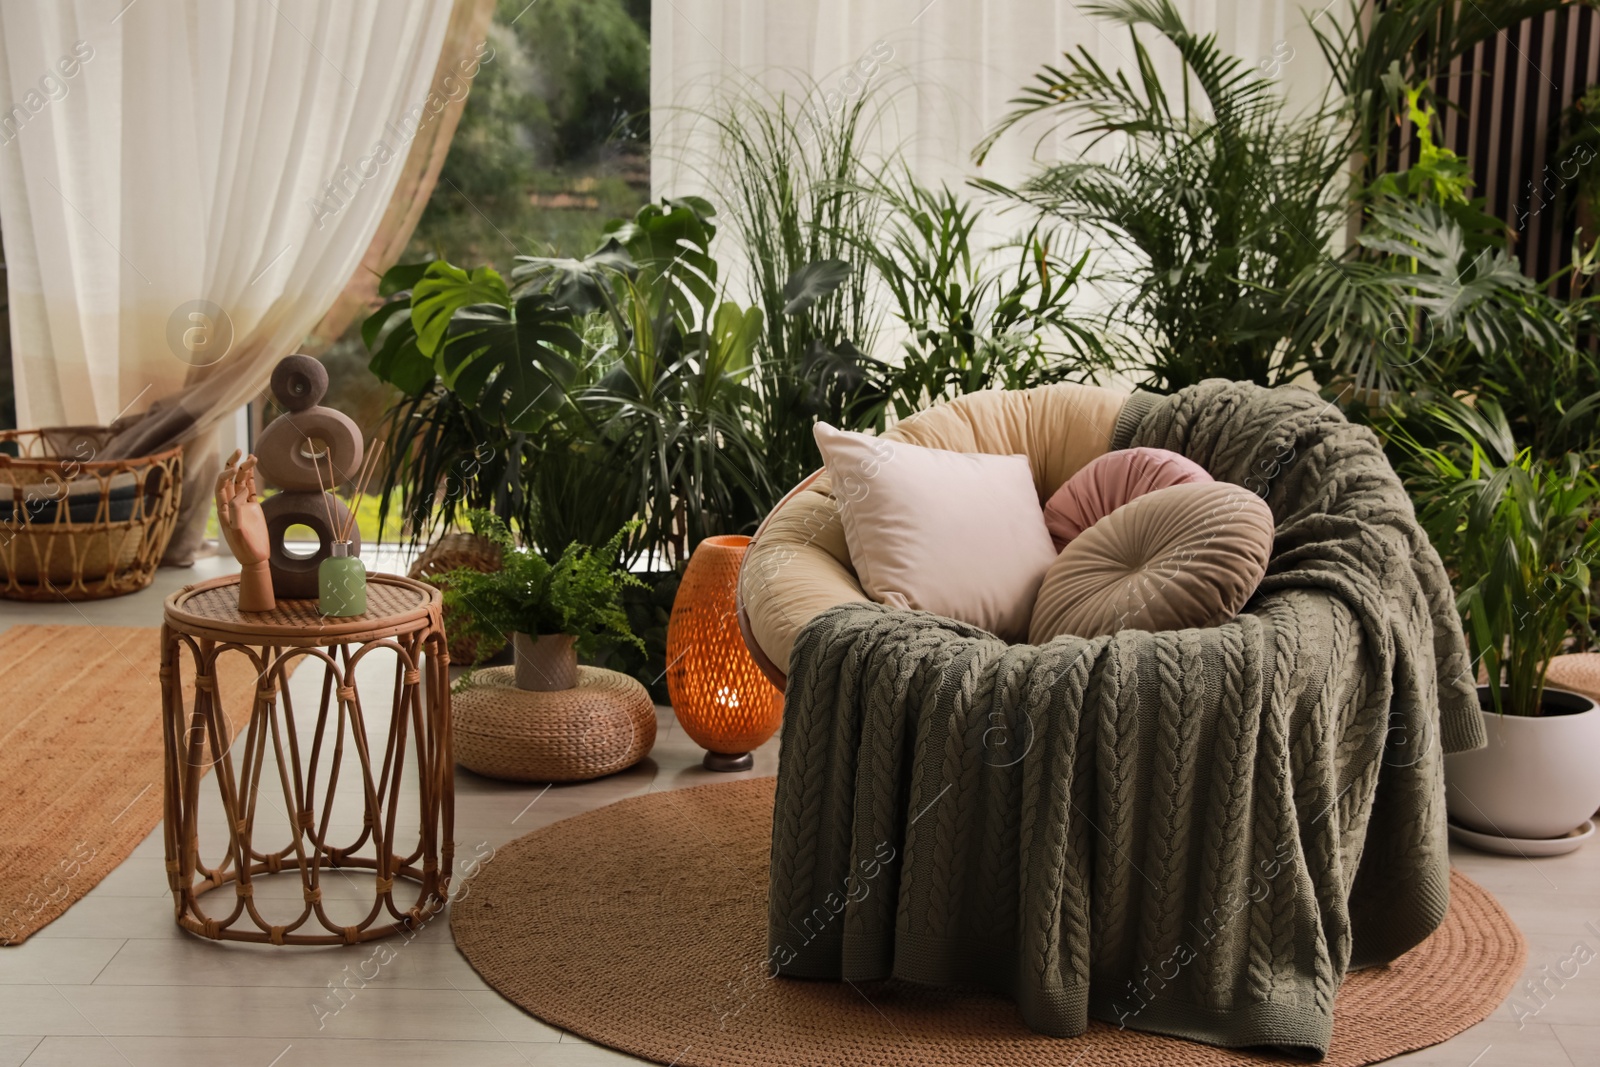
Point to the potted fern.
(550, 612)
(1521, 536)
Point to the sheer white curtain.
(944, 73)
(949, 66)
(187, 186)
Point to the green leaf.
(734, 333)
(444, 290)
(402, 276)
(390, 338)
(401, 364)
(671, 243)
(580, 284)
(812, 282)
(510, 365)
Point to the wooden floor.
(114, 982)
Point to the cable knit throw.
(1194, 832)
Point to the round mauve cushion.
(1185, 556)
(1110, 481)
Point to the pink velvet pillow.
(1110, 481)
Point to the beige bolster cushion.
(1182, 557)
(799, 565)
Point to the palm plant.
(973, 321)
(1212, 204)
(1416, 302)
(1519, 534)
(793, 177)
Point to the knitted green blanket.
(1196, 832)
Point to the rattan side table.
(296, 790)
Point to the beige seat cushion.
(799, 565)
(1182, 557)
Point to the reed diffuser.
(342, 578)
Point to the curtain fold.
(195, 189)
(946, 68)
(465, 50)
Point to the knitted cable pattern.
(1193, 833)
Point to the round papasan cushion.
(1078, 443)
(1354, 622)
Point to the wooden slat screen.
(1501, 108)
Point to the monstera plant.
(478, 369)
(579, 395)
(667, 390)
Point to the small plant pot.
(1539, 776)
(545, 664)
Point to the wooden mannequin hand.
(245, 528)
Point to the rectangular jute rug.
(80, 760)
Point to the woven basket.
(604, 724)
(1577, 671)
(454, 550)
(75, 527)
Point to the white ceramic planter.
(1539, 777)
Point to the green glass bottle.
(342, 583)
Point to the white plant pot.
(1539, 776)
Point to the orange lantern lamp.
(722, 699)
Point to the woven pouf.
(604, 724)
(1579, 672)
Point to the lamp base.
(719, 761)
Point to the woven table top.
(212, 607)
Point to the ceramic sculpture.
(288, 455)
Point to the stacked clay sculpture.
(287, 456)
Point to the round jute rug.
(642, 926)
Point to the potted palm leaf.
(550, 611)
(1520, 535)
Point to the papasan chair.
(1194, 832)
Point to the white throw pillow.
(960, 534)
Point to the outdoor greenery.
(663, 386)
(551, 141)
